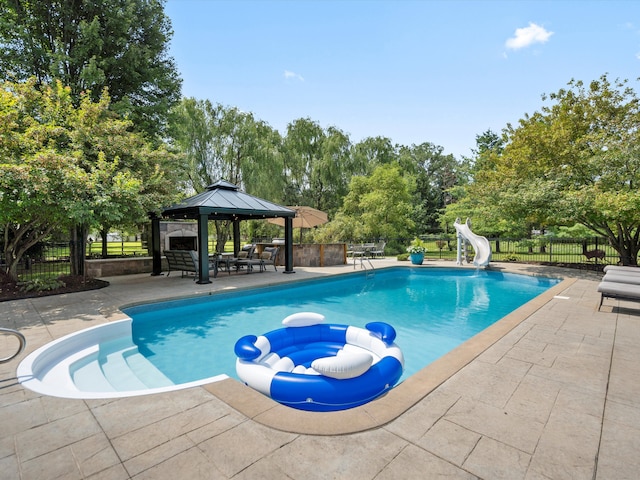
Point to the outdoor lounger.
(620, 282)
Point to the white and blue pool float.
(310, 365)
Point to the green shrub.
(510, 257)
(402, 257)
(42, 285)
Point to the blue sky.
(413, 71)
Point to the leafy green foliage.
(42, 285)
(577, 160)
(116, 44)
(417, 246)
(378, 206)
(63, 166)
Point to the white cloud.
(289, 75)
(527, 36)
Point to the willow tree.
(225, 143)
(317, 165)
(575, 161)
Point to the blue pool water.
(433, 311)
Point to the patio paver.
(557, 396)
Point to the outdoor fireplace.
(179, 236)
(183, 243)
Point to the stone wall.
(110, 267)
(319, 255)
(305, 255)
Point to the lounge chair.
(246, 258)
(620, 282)
(616, 274)
(618, 269)
(269, 257)
(621, 291)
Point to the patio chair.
(246, 258)
(269, 257)
(356, 251)
(378, 250)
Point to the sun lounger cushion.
(623, 291)
(622, 270)
(619, 289)
(620, 277)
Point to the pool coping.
(388, 407)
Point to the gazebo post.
(155, 245)
(203, 245)
(288, 245)
(236, 236)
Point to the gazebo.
(221, 201)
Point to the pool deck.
(553, 392)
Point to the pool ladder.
(370, 270)
(21, 340)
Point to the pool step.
(117, 367)
(145, 370)
(117, 372)
(89, 377)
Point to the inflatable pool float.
(310, 365)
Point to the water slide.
(479, 244)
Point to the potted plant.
(416, 251)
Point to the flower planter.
(417, 258)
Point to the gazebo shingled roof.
(222, 201)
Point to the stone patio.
(556, 395)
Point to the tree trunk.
(17, 241)
(12, 268)
(103, 235)
(77, 249)
(222, 234)
(627, 246)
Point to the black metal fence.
(50, 260)
(588, 253)
(44, 261)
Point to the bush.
(403, 257)
(42, 285)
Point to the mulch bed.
(12, 291)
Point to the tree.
(129, 177)
(39, 185)
(90, 45)
(318, 165)
(435, 174)
(220, 142)
(64, 166)
(577, 160)
(371, 152)
(378, 206)
(489, 147)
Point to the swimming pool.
(191, 340)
